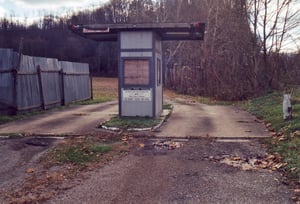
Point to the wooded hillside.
(242, 54)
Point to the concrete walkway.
(74, 120)
(187, 120)
(200, 120)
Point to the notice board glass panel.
(136, 72)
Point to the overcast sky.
(32, 9)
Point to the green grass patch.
(10, 118)
(269, 108)
(96, 100)
(79, 154)
(167, 106)
(290, 151)
(99, 98)
(6, 119)
(131, 122)
(99, 148)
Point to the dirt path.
(17, 155)
(200, 120)
(74, 120)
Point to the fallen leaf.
(268, 124)
(30, 170)
(297, 133)
(270, 157)
(27, 134)
(279, 165)
(274, 134)
(293, 169)
(236, 158)
(142, 145)
(297, 190)
(227, 161)
(247, 167)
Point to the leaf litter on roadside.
(54, 176)
(270, 162)
(163, 145)
(167, 145)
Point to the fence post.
(287, 107)
(42, 96)
(63, 102)
(15, 92)
(15, 77)
(91, 82)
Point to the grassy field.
(104, 89)
(286, 134)
(199, 99)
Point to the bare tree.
(272, 24)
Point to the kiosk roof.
(167, 31)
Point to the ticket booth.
(140, 79)
(140, 60)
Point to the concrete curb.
(163, 118)
(42, 136)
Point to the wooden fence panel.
(76, 80)
(28, 91)
(49, 80)
(51, 84)
(35, 82)
(7, 57)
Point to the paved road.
(181, 176)
(74, 120)
(200, 120)
(184, 175)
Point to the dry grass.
(105, 86)
(173, 95)
(104, 89)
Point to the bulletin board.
(136, 72)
